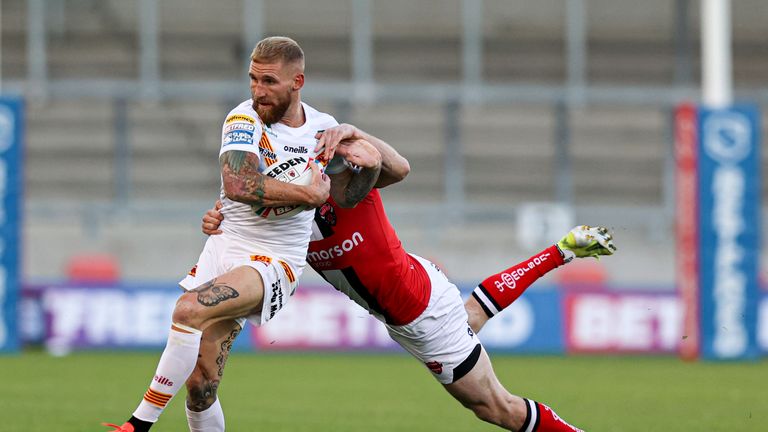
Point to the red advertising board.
(686, 226)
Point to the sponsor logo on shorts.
(470, 332)
(336, 251)
(163, 380)
(240, 118)
(276, 302)
(261, 258)
(435, 366)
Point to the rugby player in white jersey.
(356, 250)
(251, 270)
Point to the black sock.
(140, 425)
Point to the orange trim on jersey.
(261, 258)
(266, 145)
(174, 327)
(288, 271)
(156, 398)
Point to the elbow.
(403, 169)
(232, 192)
(232, 196)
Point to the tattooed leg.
(234, 294)
(212, 293)
(215, 346)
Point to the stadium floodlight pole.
(717, 81)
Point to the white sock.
(210, 420)
(175, 366)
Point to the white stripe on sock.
(486, 301)
(534, 415)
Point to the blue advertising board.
(532, 324)
(11, 181)
(729, 231)
(67, 316)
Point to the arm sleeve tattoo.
(241, 176)
(360, 185)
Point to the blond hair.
(278, 48)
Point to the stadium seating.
(617, 152)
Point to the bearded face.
(272, 108)
(272, 89)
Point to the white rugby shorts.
(225, 252)
(440, 337)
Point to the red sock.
(541, 418)
(499, 291)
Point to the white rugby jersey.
(243, 130)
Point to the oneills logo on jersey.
(239, 118)
(261, 258)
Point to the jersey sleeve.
(326, 121)
(241, 131)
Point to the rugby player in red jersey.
(354, 248)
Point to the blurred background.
(520, 119)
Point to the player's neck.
(294, 117)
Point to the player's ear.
(298, 81)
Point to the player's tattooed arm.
(350, 186)
(394, 167)
(360, 185)
(243, 182)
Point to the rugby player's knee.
(186, 311)
(201, 392)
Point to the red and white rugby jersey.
(358, 252)
(286, 238)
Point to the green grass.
(300, 392)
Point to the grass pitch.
(335, 392)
